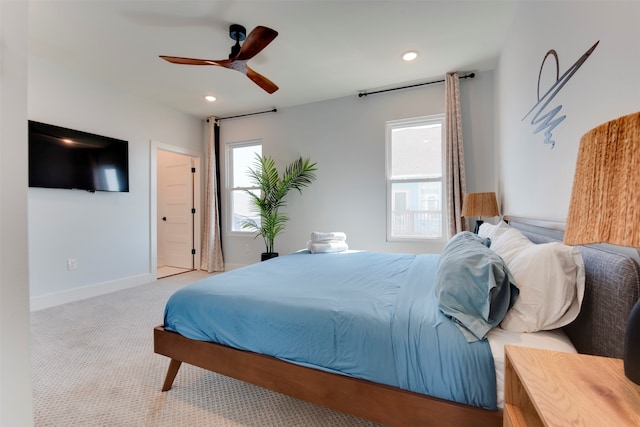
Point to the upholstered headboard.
(612, 287)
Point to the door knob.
(164, 218)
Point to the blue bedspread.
(369, 315)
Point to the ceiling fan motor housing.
(238, 33)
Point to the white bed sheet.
(550, 340)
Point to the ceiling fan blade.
(257, 40)
(192, 61)
(261, 81)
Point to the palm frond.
(273, 190)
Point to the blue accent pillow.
(473, 285)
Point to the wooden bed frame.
(390, 405)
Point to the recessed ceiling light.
(410, 56)
(210, 98)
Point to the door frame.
(153, 202)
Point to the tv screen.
(66, 158)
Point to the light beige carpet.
(93, 365)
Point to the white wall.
(15, 363)
(108, 233)
(536, 181)
(346, 137)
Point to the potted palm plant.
(273, 189)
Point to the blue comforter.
(369, 315)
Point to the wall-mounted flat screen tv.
(66, 158)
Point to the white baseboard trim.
(77, 294)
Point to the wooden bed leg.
(174, 366)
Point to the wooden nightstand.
(549, 388)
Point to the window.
(414, 178)
(240, 157)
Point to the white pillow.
(509, 243)
(492, 231)
(550, 277)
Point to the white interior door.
(175, 210)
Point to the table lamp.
(605, 204)
(479, 205)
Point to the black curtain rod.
(365, 93)
(273, 110)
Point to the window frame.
(229, 184)
(401, 123)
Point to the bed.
(611, 287)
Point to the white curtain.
(211, 255)
(454, 155)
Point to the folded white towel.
(330, 236)
(327, 247)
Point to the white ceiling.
(325, 49)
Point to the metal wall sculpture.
(546, 120)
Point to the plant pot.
(265, 256)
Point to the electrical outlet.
(72, 264)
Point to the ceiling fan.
(257, 40)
